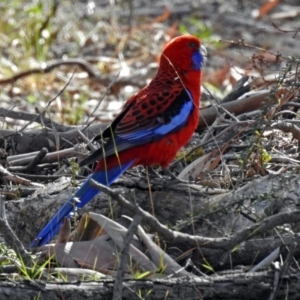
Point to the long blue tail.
(83, 195)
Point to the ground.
(70, 65)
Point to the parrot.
(152, 126)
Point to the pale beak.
(203, 50)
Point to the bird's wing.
(155, 116)
(147, 117)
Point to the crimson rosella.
(153, 125)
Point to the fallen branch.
(74, 61)
(225, 243)
(246, 103)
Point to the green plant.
(141, 275)
(35, 271)
(207, 265)
(28, 28)
(74, 170)
(143, 294)
(73, 109)
(9, 253)
(38, 296)
(202, 30)
(39, 33)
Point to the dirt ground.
(232, 231)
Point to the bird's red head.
(184, 54)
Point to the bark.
(234, 286)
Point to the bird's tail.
(82, 196)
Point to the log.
(234, 286)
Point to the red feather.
(175, 73)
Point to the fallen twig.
(225, 243)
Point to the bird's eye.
(192, 45)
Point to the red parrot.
(152, 126)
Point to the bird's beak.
(203, 50)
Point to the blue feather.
(82, 196)
(177, 121)
(154, 133)
(198, 60)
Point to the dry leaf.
(194, 168)
(65, 231)
(88, 229)
(161, 259)
(100, 253)
(205, 163)
(265, 9)
(117, 232)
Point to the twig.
(36, 160)
(276, 281)
(219, 107)
(77, 273)
(10, 237)
(288, 259)
(2, 208)
(38, 118)
(278, 57)
(291, 103)
(48, 104)
(288, 127)
(282, 112)
(238, 90)
(124, 257)
(225, 243)
(13, 178)
(88, 122)
(105, 80)
(247, 102)
(45, 178)
(210, 130)
(286, 31)
(221, 138)
(48, 68)
(23, 159)
(87, 141)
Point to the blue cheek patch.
(198, 60)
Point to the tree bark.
(234, 286)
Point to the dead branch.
(71, 62)
(213, 243)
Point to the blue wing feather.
(156, 132)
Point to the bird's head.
(184, 53)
